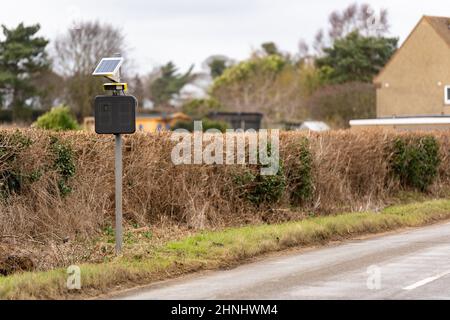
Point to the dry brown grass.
(351, 173)
(352, 170)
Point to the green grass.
(219, 249)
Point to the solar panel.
(108, 66)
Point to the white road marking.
(426, 281)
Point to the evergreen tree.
(217, 67)
(170, 82)
(270, 48)
(22, 59)
(356, 58)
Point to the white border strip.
(399, 121)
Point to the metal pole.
(118, 172)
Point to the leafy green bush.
(64, 164)
(300, 176)
(187, 125)
(246, 69)
(12, 178)
(58, 119)
(207, 124)
(262, 189)
(214, 124)
(200, 108)
(416, 161)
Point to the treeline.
(330, 80)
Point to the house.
(413, 89)
(148, 122)
(159, 122)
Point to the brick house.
(413, 89)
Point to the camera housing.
(115, 114)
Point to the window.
(447, 95)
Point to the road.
(413, 264)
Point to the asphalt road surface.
(413, 264)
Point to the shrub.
(58, 119)
(214, 124)
(63, 163)
(206, 123)
(200, 108)
(300, 177)
(339, 103)
(352, 170)
(187, 125)
(259, 189)
(416, 161)
(262, 189)
(11, 176)
(6, 116)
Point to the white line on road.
(426, 281)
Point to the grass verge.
(219, 249)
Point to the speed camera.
(115, 114)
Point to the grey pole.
(118, 172)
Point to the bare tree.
(138, 86)
(80, 48)
(280, 95)
(303, 49)
(77, 53)
(362, 18)
(319, 42)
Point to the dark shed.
(239, 120)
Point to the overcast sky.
(189, 31)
